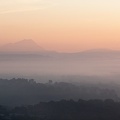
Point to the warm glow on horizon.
(62, 25)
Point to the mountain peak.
(26, 45)
(28, 41)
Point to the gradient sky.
(62, 25)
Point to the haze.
(59, 59)
(62, 25)
(29, 60)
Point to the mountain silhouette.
(29, 46)
(26, 45)
(99, 50)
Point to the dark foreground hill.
(65, 110)
(16, 92)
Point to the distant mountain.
(103, 52)
(99, 50)
(92, 54)
(26, 45)
(29, 46)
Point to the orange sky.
(62, 25)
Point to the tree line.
(65, 110)
(21, 91)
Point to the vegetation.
(17, 92)
(57, 101)
(65, 110)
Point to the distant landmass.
(30, 48)
(26, 58)
(29, 45)
(26, 45)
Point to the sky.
(62, 25)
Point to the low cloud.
(8, 6)
(21, 10)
